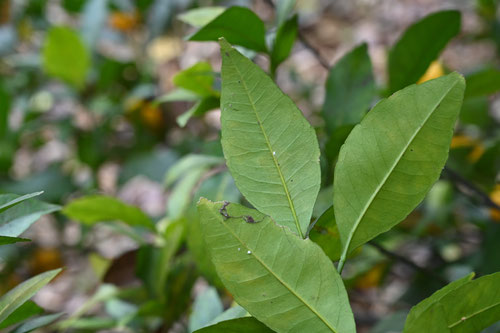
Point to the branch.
(469, 189)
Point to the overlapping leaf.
(391, 159)
(270, 148)
(285, 282)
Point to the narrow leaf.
(99, 208)
(4, 240)
(239, 325)
(285, 38)
(38, 322)
(239, 26)
(285, 282)
(350, 89)
(270, 148)
(23, 292)
(23, 212)
(28, 309)
(391, 159)
(18, 200)
(421, 44)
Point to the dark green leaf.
(285, 38)
(28, 309)
(4, 240)
(239, 26)
(325, 233)
(270, 148)
(99, 208)
(419, 46)
(350, 89)
(286, 282)
(239, 325)
(483, 83)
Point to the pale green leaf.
(233, 312)
(270, 148)
(199, 17)
(421, 44)
(207, 306)
(350, 90)
(239, 25)
(198, 78)
(391, 159)
(286, 282)
(18, 200)
(188, 163)
(65, 56)
(23, 212)
(469, 306)
(38, 322)
(99, 208)
(23, 292)
(238, 325)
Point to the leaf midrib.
(268, 143)
(474, 314)
(280, 280)
(388, 174)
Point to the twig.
(469, 189)
(407, 262)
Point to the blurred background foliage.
(107, 107)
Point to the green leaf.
(239, 26)
(38, 322)
(23, 292)
(350, 89)
(466, 306)
(4, 240)
(270, 148)
(285, 38)
(23, 212)
(99, 208)
(199, 17)
(421, 44)
(423, 306)
(18, 200)
(28, 309)
(483, 83)
(283, 9)
(238, 325)
(234, 312)
(65, 56)
(325, 233)
(207, 306)
(187, 164)
(200, 108)
(391, 159)
(198, 78)
(286, 282)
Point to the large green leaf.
(239, 26)
(285, 38)
(483, 83)
(270, 148)
(65, 56)
(238, 325)
(391, 159)
(350, 89)
(99, 208)
(285, 282)
(20, 213)
(469, 306)
(23, 292)
(421, 43)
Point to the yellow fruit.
(495, 197)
